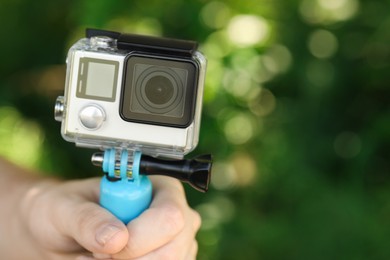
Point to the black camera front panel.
(159, 90)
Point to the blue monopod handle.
(125, 198)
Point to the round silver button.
(92, 117)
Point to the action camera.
(138, 99)
(133, 92)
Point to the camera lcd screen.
(97, 79)
(158, 90)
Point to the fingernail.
(106, 233)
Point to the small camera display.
(133, 92)
(97, 79)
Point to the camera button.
(103, 42)
(59, 109)
(92, 117)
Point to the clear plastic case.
(93, 107)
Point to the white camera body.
(143, 99)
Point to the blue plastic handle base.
(126, 199)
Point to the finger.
(197, 221)
(82, 257)
(177, 249)
(184, 245)
(174, 251)
(88, 189)
(101, 256)
(159, 224)
(67, 256)
(93, 227)
(193, 251)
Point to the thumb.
(92, 226)
(97, 230)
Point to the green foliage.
(296, 114)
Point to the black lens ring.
(147, 75)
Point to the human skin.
(44, 218)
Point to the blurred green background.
(296, 114)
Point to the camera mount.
(126, 191)
(120, 165)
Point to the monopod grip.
(194, 171)
(126, 199)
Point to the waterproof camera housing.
(133, 92)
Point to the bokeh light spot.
(236, 83)
(263, 104)
(20, 139)
(212, 84)
(280, 56)
(239, 171)
(246, 168)
(332, 4)
(208, 237)
(340, 9)
(215, 212)
(216, 45)
(328, 11)
(224, 176)
(241, 58)
(239, 129)
(211, 215)
(347, 144)
(261, 69)
(322, 44)
(215, 14)
(248, 30)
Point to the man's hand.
(164, 231)
(62, 220)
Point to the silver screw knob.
(97, 159)
(59, 109)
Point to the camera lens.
(159, 90)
